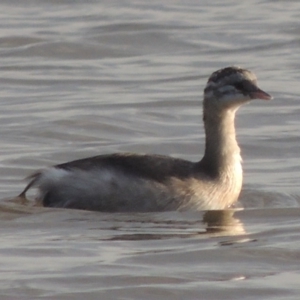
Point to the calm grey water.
(80, 78)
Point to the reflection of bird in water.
(222, 222)
(213, 223)
(143, 183)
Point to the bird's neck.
(222, 153)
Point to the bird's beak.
(257, 93)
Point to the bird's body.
(144, 183)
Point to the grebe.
(126, 182)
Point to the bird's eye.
(239, 85)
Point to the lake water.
(81, 78)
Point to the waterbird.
(128, 182)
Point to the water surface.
(81, 78)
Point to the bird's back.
(117, 182)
